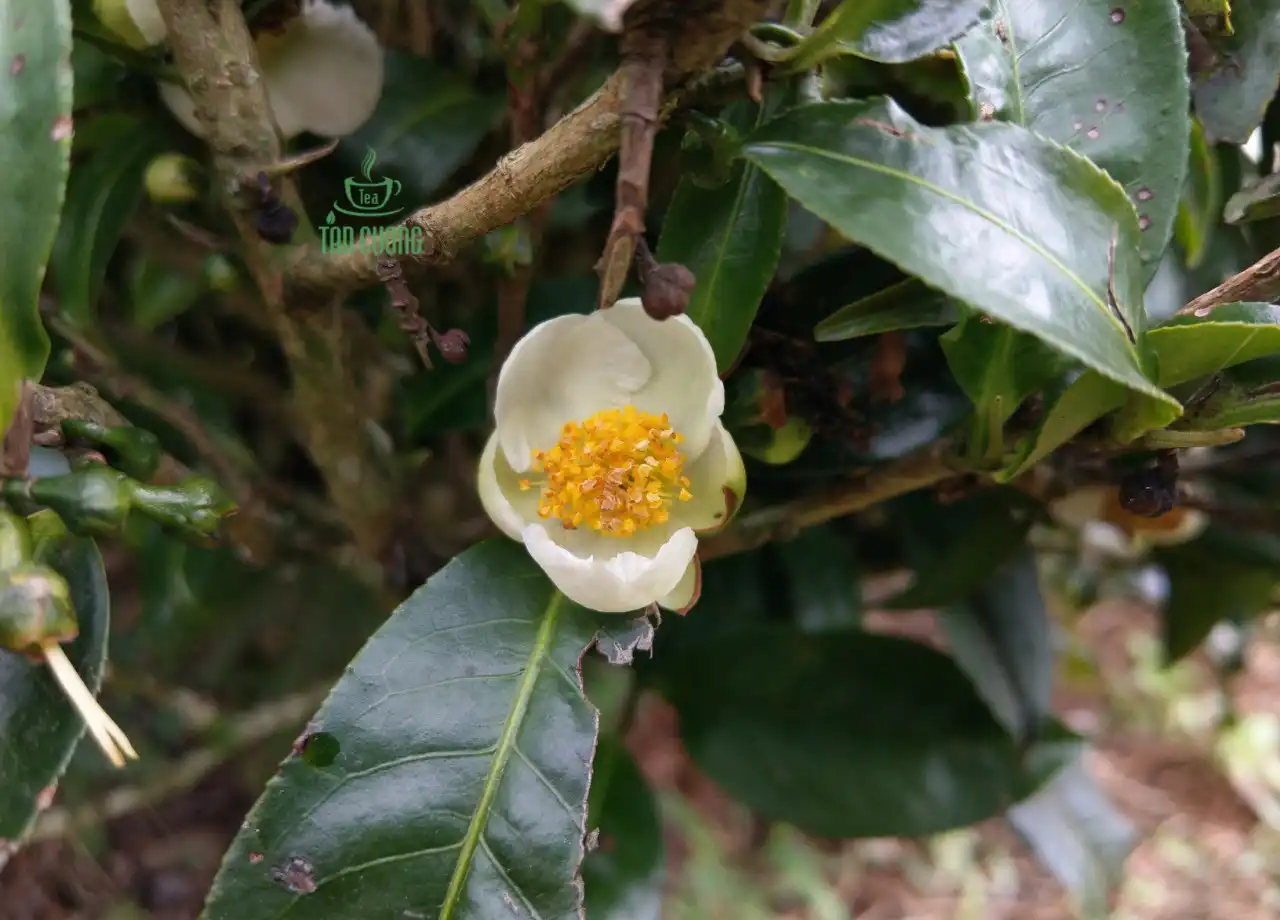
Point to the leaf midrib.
(950, 196)
(505, 748)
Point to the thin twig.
(915, 471)
(234, 736)
(125, 386)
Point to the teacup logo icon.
(367, 196)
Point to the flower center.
(615, 472)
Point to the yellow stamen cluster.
(616, 472)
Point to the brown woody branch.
(215, 53)
(701, 31)
(1259, 282)
(928, 467)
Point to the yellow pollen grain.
(616, 472)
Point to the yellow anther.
(616, 472)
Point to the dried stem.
(644, 58)
(1259, 282)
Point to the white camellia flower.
(609, 457)
(323, 72)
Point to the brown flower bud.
(667, 286)
(452, 344)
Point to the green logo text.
(370, 197)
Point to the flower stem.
(113, 741)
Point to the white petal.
(324, 74)
(685, 383)
(509, 507)
(603, 576)
(179, 102)
(685, 594)
(563, 370)
(718, 469)
(147, 20)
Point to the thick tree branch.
(1259, 282)
(215, 54)
(578, 144)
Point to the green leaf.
(908, 304)
(428, 122)
(1078, 835)
(1206, 589)
(39, 728)
(1115, 91)
(1069, 410)
(1232, 97)
(730, 237)
(823, 583)
(1002, 639)
(849, 734)
(1189, 346)
(994, 526)
(459, 788)
(998, 367)
(102, 195)
(159, 292)
(978, 231)
(1258, 201)
(891, 31)
(1201, 202)
(625, 873)
(35, 150)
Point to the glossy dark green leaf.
(994, 526)
(1190, 346)
(849, 734)
(104, 191)
(39, 728)
(730, 237)
(460, 785)
(889, 30)
(908, 304)
(1078, 835)
(1201, 203)
(1232, 97)
(1106, 79)
(35, 149)
(1001, 637)
(625, 873)
(429, 120)
(824, 583)
(977, 230)
(1206, 589)
(998, 367)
